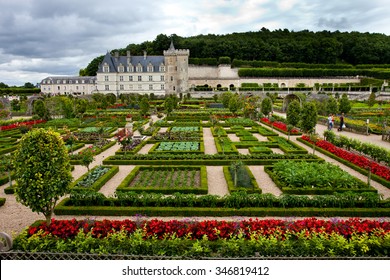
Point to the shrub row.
(237, 200)
(2, 201)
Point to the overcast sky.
(40, 38)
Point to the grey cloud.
(340, 24)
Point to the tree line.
(282, 46)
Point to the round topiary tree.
(42, 171)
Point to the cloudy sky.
(40, 38)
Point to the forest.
(281, 46)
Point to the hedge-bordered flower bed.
(280, 126)
(360, 163)
(211, 238)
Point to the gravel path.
(109, 188)
(216, 181)
(209, 144)
(264, 181)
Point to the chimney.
(144, 55)
(116, 56)
(128, 57)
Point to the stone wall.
(225, 76)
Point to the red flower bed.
(16, 125)
(211, 228)
(358, 160)
(280, 125)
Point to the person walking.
(341, 122)
(330, 122)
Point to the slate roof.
(114, 62)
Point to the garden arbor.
(291, 97)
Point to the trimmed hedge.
(61, 209)
(2, 201)
(98, 183)
(374, 177)
(5, 179)
(260, 150)
(203, 189)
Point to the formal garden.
(168, 157)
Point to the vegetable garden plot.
(166, 179)
(314, 178)
(177, 146)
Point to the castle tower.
(176, 74)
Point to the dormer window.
(130, 68)
(121, 68)
(150, 67)
(139, 68)
(106, 68)
(162, 68)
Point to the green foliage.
(293, 113)
(225, 98)
(144, 106)
(86, 157)
(309, 116)
(42, 171)
(371, 99)
(331, 106)
(313, 175)
(40, 109)
(234, 103)
(266, 106)
(344, 104)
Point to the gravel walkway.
(110, 187)
(264, 181)
(216, 181)
(209, 144)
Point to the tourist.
(330, 122)
(341, 122)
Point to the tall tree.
(42, 171)
(331, 106)
(371, 99)
(293, 113)
(309, 116)
(266, 106)
(344, 104)
(234, 103)
(144, 106)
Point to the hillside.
(282, 46)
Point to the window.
(77, 87)
(130, 78)
(139, 68)
(121, 78)
(150, 78)
(121, 69)
(162, 78)
(121, 87)
(171, 78)
(83, 81)
(107, 87)
(130, 68)
(150, 86)
(106, 78)
(139, 78)
(162, 86)
(106, 69)
(162, 68)
(150, 68)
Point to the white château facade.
(60, 85)
(144, 74)
(116, 74)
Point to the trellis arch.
(291, 97)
